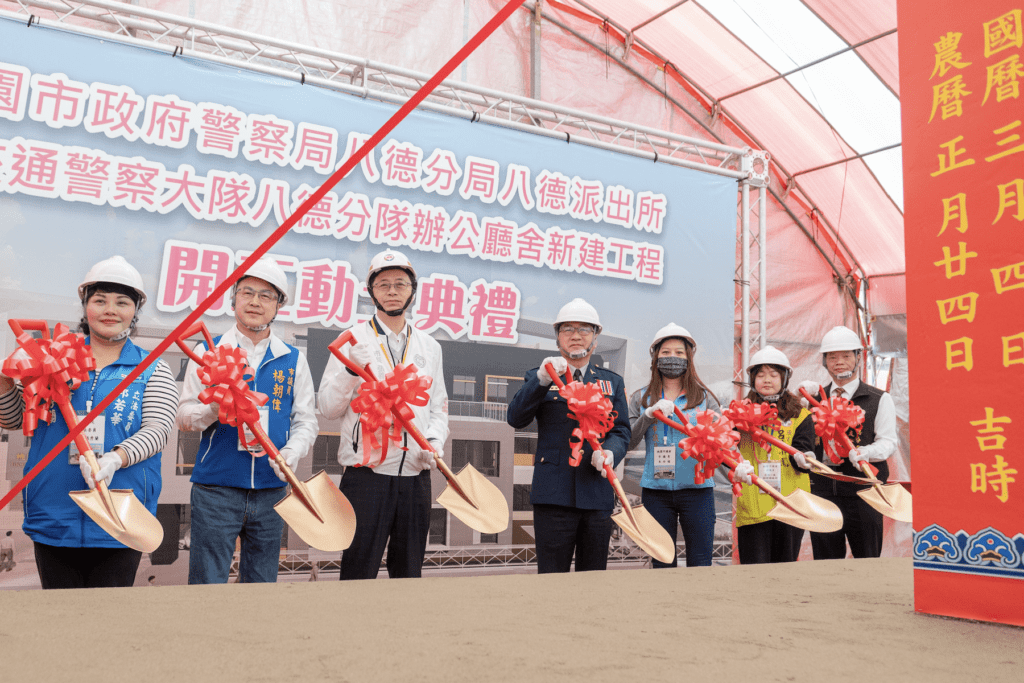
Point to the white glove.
(426, 458)
(856, 457)
(801, 459)
(812, 388)
(361, 354)
(108, 463)
(559, 364)
(601, 458)
(290, 459)
(667, 407)
(741, 475)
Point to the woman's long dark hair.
(694, 389)
(108, 288)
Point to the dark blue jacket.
(555, 481)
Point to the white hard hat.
(114, 269)
(769, 355)
(672, 330)
(389, 259)
(578, 311)
(840, 339)
(267, 270)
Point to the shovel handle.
(555, 377)
(19, 326)
(85, 451)
(810, 399)
(298, 486)
(367, 375)
(197, 327)
(661, 417)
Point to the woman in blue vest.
(670, 492)
(71, 551)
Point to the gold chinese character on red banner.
(1013, 350)
(961, 307)
(948, 161)
(1002, 33)
(949, 96)
(947, 55)
(988, 426)
(1003, 77)
(960, 260)
(1011, 194)
(1008, 140)
(998, 478)
(959, 353)
(954, 209)
(1009, 277)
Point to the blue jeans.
(693, 510)
(221, 514)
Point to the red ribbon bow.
(747, 416)
(593, 410)
(832, 419)
(400, 389)
(710, 440)
(225, 371)
(53, 369)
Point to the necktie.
(837, 392)
(578, 376)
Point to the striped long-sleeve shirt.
(159, 405)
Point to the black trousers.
(862, 527)
(561, 532)
(768, 542)
(392, 512)
(86, 567)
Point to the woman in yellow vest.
(762, 539)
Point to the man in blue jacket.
(234, 490)
(572, 506)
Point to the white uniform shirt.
(885, 423)
(339, 387)
(194, 416)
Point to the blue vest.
(684, 468)
(51, 517)
(219, 462)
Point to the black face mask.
(672, 366)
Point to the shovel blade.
(647, 533)
(338, 527)
(896, 502)
(809, 512)
(490, 516)
(134, 525)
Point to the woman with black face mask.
(760, 538)
(670, 493)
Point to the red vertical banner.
(961, 75)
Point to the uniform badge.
(605, 386)
(420, 361)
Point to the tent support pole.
(744, 281)
(762, 265)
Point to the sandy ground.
(850, 620)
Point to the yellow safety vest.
(753, 504)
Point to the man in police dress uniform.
(572, 506)
(391, 499)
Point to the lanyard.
(388, 355)
(92, 391)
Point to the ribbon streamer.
(752, 418)
(593, 410)
(832, 419)
(226, 372)
(50, 371)
(400, 389)
(710, 441)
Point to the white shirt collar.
(254, 352)
(849, 389)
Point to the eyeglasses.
(267, 296)
(384, 287)
(570, 330)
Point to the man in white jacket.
(391, 499)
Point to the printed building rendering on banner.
(964, 155)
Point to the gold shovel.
(892, 500)
(315, 509)
(636, 521)
(800, 509)
(116, 511)
(469, 495)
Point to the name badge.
(664, 462)
(249, 436)
(771, 472)
(94, 433)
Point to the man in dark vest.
(234, 485)
(862, 524)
